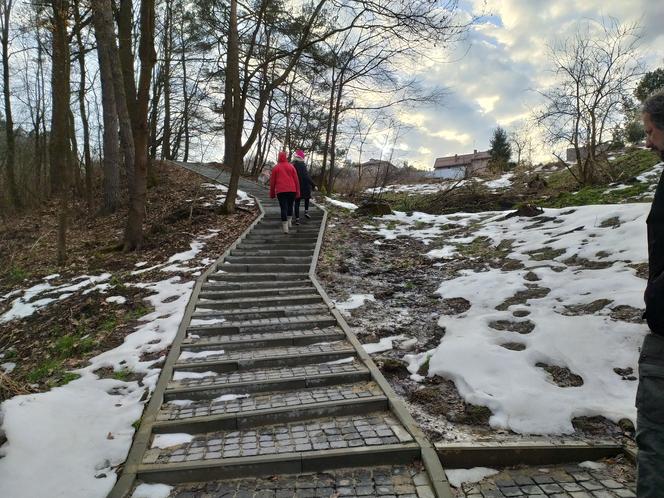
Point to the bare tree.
(60, 152)
(594, 70)
(133, 238)
(103, 23)
(10, 160)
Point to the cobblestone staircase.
(267, 393)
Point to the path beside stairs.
(267, 393)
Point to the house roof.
(461, 159)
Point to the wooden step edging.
(141, 441)
(428, 453)
(534, 452)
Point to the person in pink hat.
(306, 184)
(285, 186)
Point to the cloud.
(454, 136)
(492, 77)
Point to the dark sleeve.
(654, 295)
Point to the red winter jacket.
(284, 178)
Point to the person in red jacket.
(285, 186)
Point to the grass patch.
(137, 312)
(16, 274)
(633, 164)
(109, 324)
(69, 345)
(597, 195)
(122, 375)
(46, 369)
(424, 367)
(118, 283)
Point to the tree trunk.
(103, 25)
(10, 159)
(134, 229)
(75, 162)
(87, 156)
(125, 25)
(328, 132)
(125, 86)
(154, 114)
(60, 153)
(166, 71)
(185, 93)
(234, 116)
(335, 126)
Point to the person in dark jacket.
(285, 186)
(306, 184)
(650, 393)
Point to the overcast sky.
(492, 75)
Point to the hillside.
(493, 324)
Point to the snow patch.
(152, 491)
(345, 205)
(116, 299)
(163, 441)
(353, 302)
(190, 355)
(385, 344)
(456, 477)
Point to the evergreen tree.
(500, 151)
(651, 81)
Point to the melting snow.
(354, 302)
(456, 477)
(521, 396)
(345, 205)
(116, 299)
(385, 344)
(152, 491)
(169, 440)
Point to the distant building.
(376, 164)
(461, 166)
(599, 149)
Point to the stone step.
(285, 238)
(257, 312)
(275, 226)
(245, 411)
(265, 268)
(286, 245)
(286, 299)
(264, 339)
(266, 380)
(375, 438)
(273, 286)
(244, 403)
(258, 277)
(264, 325)
(407, 480)
(229, 361)
(292, 236)
(266, 259)
(212, 293)
(293, 253)
(298, 230)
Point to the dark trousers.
(297, 206)
(286, 200)
(650, 419)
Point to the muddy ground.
(403, 281)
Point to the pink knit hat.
(299, 153)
